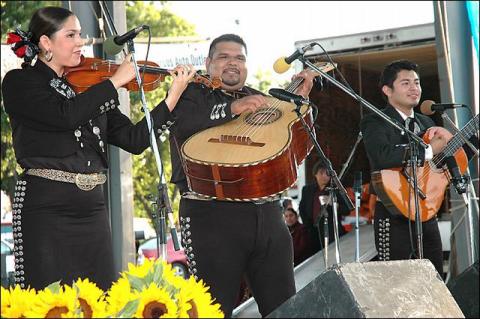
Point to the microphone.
(283, 64)
(288, 96)
(459, 182)
(429, 107)
(357, 182)
(113, 45)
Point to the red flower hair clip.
(21, 45)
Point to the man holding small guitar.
(225, 239)
(395, 235)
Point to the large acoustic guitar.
(394, 186)
(252, 157)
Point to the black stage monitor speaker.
(464, 289)
(385, 289)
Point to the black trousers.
(394, 242)
(226, 240)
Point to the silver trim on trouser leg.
(384, 239)
(187, 244)
(17, 206)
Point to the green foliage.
(163, 23)
(18, 13)
(263, 81)
(145, 172)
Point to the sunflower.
(118, 296)
(170, 277)
(91, 299)
(49, 304)
(155, 302)
(140, 271)
(194, 301)
(16, 301)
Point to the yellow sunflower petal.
(155, 302)
(118, 296)
(16, 301)
(201, 304)
(91, 299)
(48, 304)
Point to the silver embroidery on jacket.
(62, 88)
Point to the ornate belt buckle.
(85, 182)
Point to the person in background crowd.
(300, 237)
(315, 203)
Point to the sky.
(270, 28)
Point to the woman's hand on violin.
(125, 73)
(182, 75)
(248, 103)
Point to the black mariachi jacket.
(46, 115)
(385, 146)
(199, 108)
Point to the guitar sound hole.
(263, 116)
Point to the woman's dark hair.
(318, 166)
(390, 72)
(225, 38)
(290, 209)
(46, 21)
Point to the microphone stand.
(324, 214)
(162, 203)
(357, 190)
(350, 156)
(336, 185)
(357, 193)
(466, 193)
(402, 129)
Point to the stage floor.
(315, 265)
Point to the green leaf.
(136, 283)
(54, 287)
(129, 309)
(157, 273)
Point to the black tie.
(411, 124)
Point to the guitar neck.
(294, 85)
(457, 141)
(325, 66)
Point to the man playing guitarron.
(224, 240)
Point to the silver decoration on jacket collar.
(218, 110)
(62, 88)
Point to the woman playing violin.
(60, 224)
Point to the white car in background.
(9, 267)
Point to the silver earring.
(48, 55)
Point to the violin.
(91, 71)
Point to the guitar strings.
(266, 113)
(455, 143)
(255, 126)
(259, 121)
